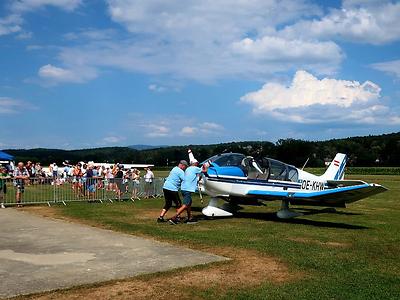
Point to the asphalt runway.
(39, 254)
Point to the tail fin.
(335, 170)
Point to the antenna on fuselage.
(305, 163)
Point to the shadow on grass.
(271, 217)
(313, 211)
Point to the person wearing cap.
(188, 187)
(171, 189)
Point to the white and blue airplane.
(241, 180)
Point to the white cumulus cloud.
(55, 74)
(306, 90)
(211, 40)
(203, 40)
(373, 22)
(311, 100)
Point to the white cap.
(191, 157)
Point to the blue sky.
(78, 74)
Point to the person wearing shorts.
(136, 182)
(118, 180)
(90, 182)
(171, 189)
(20, 175)
(188, 187)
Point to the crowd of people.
(85, 179)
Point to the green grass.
(366, 265)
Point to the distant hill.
(363, 151)
(145, 147)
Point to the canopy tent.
(5, 156)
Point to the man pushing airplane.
(188, 187)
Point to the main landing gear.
(228, 209)
(285, 212)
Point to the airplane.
(242, 180)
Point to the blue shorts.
(91, 188)
(187, 198)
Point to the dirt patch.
(149, 214)
(44, 211)
(312, 241)
(246, 269)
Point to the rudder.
(336, 169)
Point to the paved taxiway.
(40, 254)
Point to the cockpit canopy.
(239, 165)
(227, 159)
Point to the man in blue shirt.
(171, 188)
(189, 186)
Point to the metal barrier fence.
(59, 190)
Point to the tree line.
(365, 151)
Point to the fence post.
(54, 192)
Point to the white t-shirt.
(148, 177)
(109, 174)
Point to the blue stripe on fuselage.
(306, 195)
(256, 182)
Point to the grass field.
(352, 253)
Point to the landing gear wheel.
(285, 212)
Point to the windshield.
(227, 160)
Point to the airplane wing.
(333, 196)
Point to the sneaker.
(191, 221)
(173, 221)
(2, 206)
(161, 220)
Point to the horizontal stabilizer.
(342, 183)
